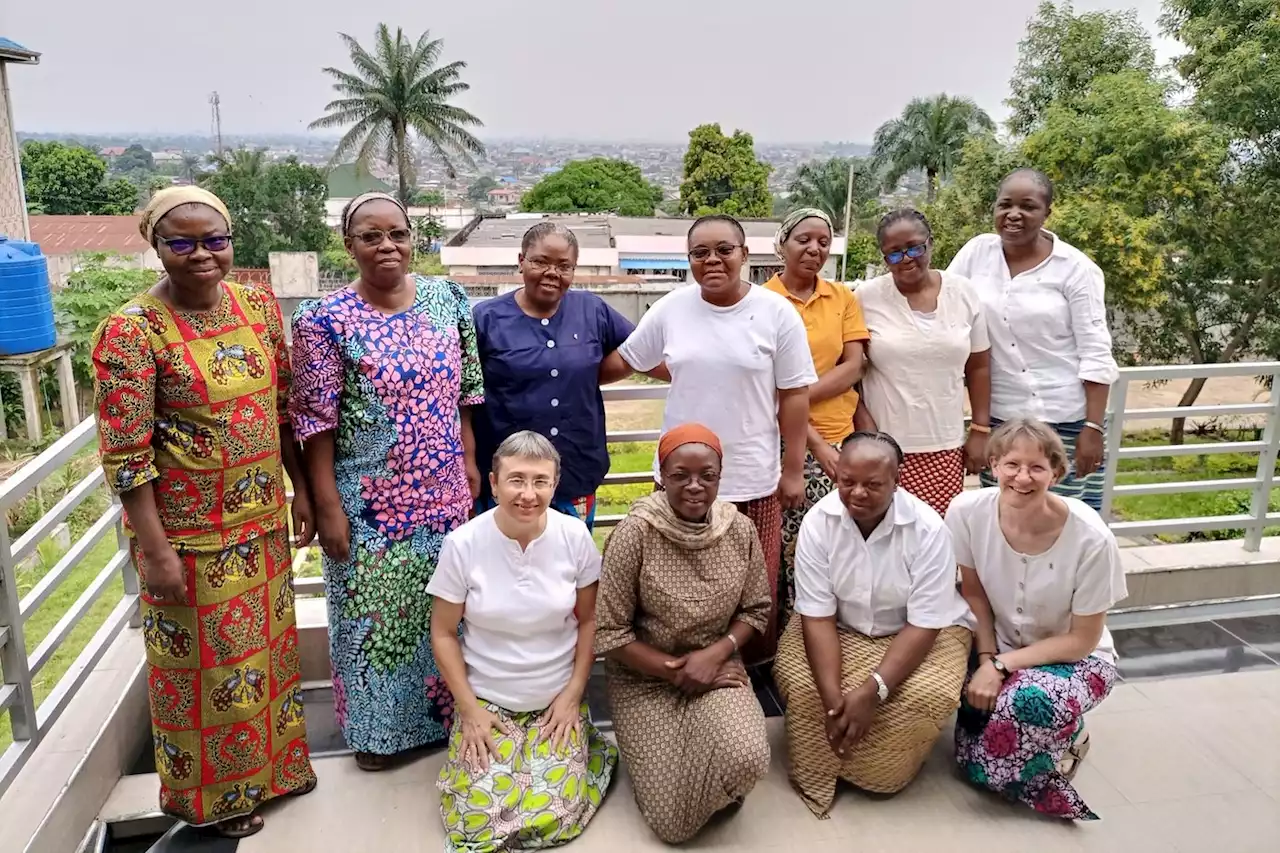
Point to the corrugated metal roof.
(69, 235)
(11, 51)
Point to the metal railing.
(30, 723)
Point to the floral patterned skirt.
(388, 694)
(530, 797)
(1039, 713)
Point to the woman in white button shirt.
(872, 669)
(1051, 349)
(928, 345)
(1040, 573)
(526, 769)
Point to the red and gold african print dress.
(192, 402)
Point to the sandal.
(371, 762)
(305, 789)
(236, 827)
(1070, 762)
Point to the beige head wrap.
(363, 199)
(169, 198)
(795, 218)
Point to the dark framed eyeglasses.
(913, 252)
(186, 245)
(564, 268)
(724, 251)
(373, 237)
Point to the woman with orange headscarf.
(683, 588)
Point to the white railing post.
(13, 649)
(1261, 503)
(129, 571)
(1116, 403)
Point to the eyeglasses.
(564, 268)
(399, 236)
(186, 245)
(683, 478)
(913, 252)
(724, 251)
(540, 484)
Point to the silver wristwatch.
(882, 689)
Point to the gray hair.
(527, 444)
(547, 228)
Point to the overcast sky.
(647, 70)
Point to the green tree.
(963, 208)
(398, 91)
(722, 175)
(596, 185)
(1232, 65)
(190, 170)
(134, 158)
(69, 180)
(824, 184)
(1063, 53)
(929, 136)
(860, 252)
(478, 192)
(429, 199)
(99, 285)
(275, 207)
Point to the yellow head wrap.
(169, 198)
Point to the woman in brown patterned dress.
(683, 588)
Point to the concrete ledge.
(1161, 575)
(57, 796)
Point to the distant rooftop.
(593, 230)
(11, 51)
(69, 235)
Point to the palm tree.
(190, 167)
(929, 136)
(398, 91)
(824, 184)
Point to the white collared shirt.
(1033, 597)
(914, 384)
(727, 365)
(1048, 329)
(904, 573)
(520, 633)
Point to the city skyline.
(578, 71)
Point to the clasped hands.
(707, 669)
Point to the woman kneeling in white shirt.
(1040, 572)
(873, 667)
(526, 769)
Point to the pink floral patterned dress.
(391, 386)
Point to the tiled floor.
(1186, 757)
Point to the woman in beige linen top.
(682, 589)
(928, 342)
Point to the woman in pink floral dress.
(388, 371)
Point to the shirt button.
(1022, 586)
(551, 344)
(555, 431)
(545, 321)
(1019, 609)
(554, 372)
(554, 402)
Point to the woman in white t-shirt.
(526, 769)
(1040, 572)
(740, 364)
(1051, 349)
(928, 343)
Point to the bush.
(97, 287)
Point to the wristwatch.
(1000, 668)
(882, 689)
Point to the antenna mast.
(216, 104)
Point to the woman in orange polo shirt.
(837, 340)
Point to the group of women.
(435, 448)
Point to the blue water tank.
(26, 307)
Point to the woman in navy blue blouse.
(541, 349)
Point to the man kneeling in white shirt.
(872, 664)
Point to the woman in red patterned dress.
(192, 378)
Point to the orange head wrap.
(687, 434)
